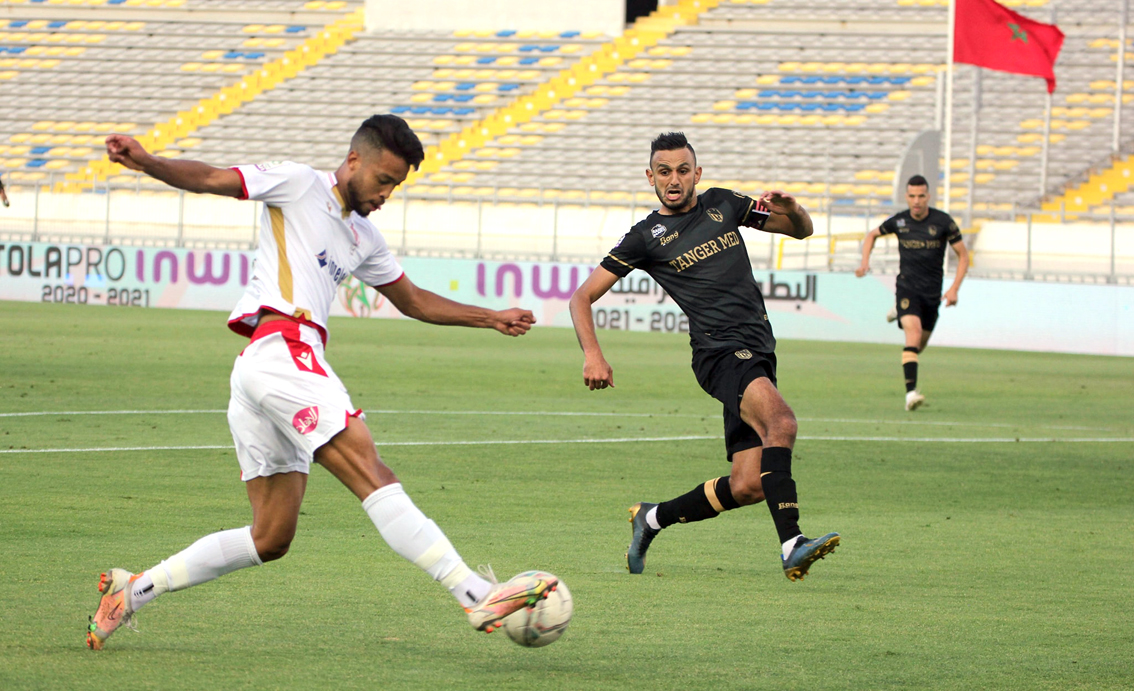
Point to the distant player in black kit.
(693, 248)
(922, 234)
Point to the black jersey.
(921, 248)
(699, 258)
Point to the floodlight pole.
(949, 106)
(974, 128)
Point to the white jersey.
(309, 244)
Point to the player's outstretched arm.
(787, 216)
(191, 176)
(597, 373)
(867, 248)
(426, 306)
(950, 295)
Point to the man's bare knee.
(272, 545)
(270, 550)
(747, 491)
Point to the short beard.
(352, 198)
(681, 203)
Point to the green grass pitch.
(969, 560)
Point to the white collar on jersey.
(338, 197)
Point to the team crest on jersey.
(268, 166)
(715, 214)
(933, 230)
(658, 230)
(905, 303)
(743, 354)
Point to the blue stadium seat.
(485, 60)
(529, 61)
(507, 87)
(37, 163)
(506, 33)
(295, 29)
(569, 34)
(40, 150)
(465, 86)
(56, 25)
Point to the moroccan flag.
(988, 34)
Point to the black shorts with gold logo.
(924, 307)
(724, 373)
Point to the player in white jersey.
(288, 408)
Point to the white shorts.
(286, 401)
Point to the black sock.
(909, 366)
(779, 491)
(705, 501)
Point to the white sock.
(210, 557)
(652, 518)
(142, 590)
(790, 545)
(417, 539)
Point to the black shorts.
(920, 305)
(724, 373)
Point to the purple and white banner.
(1012, 315)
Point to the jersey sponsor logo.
(901, 223)
(658, 230)
(268, 166)
(743, 354)
(619, 243)
(715, 214)
(669, 238)
(919, 244)
(306, 420)
(905, 303)
(706, 249)
(337, 272)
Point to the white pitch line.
(111, 412)
(630, 440)
(551, 413)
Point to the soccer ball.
(535, 627)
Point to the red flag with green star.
(988, 34)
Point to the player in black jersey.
(922, 234)
(693, 248)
